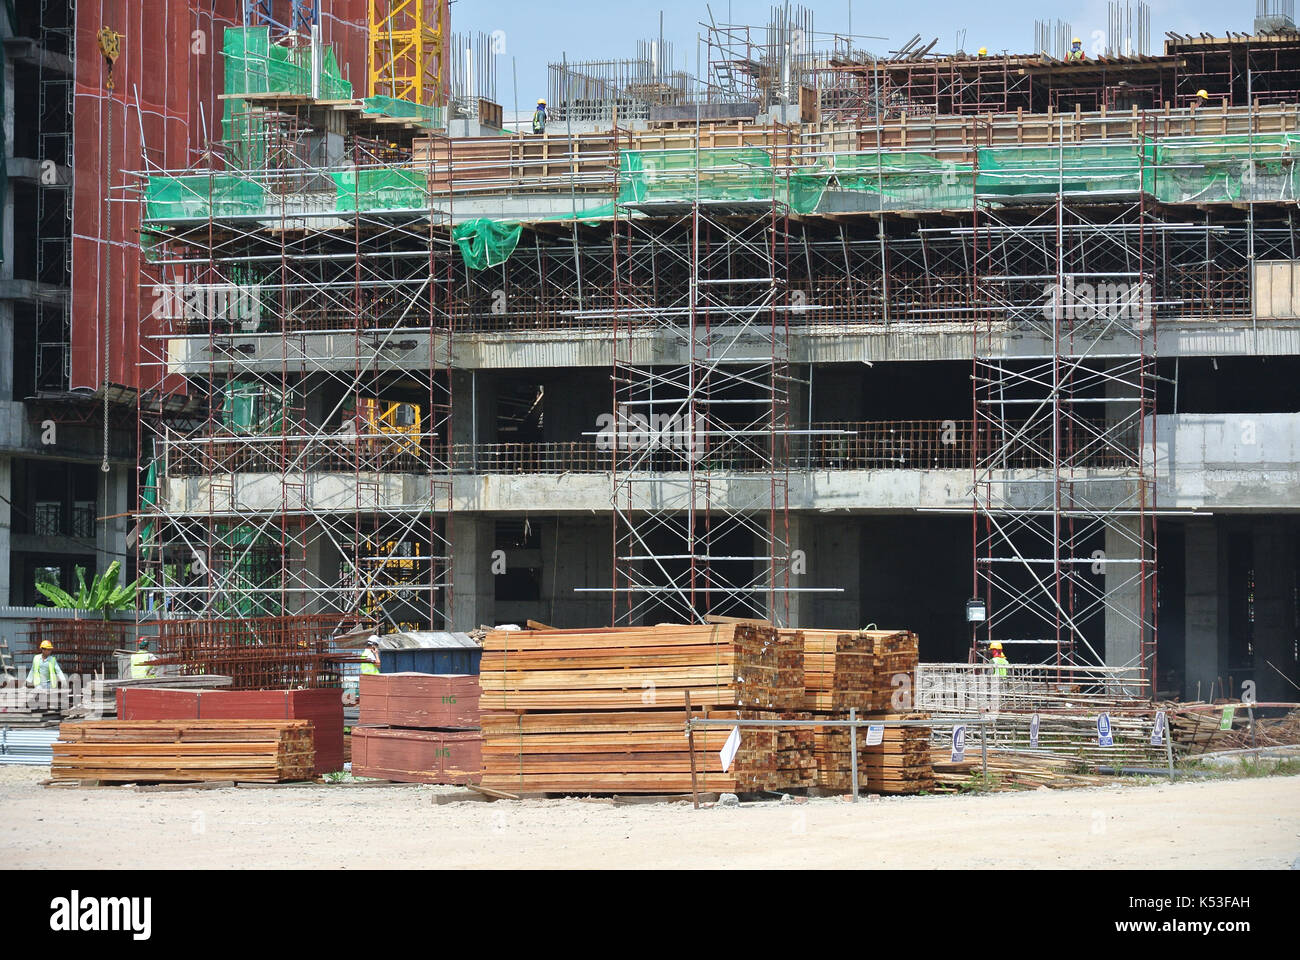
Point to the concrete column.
(576, 553)
(1205, 633)
(825, 554)
(110, 535)
(322, 567)
(1123, 594)
(474, 412)
(472, 586)
(1275, 612)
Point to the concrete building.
(61, 473)
(1016, 341)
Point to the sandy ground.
(1222, 824)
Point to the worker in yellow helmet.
(45, 671)
(370, 657)
(998, 658)
(539, 117)
(1076, 54)
(1202, 96)
(983, 52)
(142, 667)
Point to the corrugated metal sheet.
(27, 744)
(427, 640)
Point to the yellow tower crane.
(408, 50)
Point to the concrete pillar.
(472, 586)
(320, 568)
(1275, 610)
(1123, 594)
(110, 535)
(474, 412)
(825, 554)
(575, 553)
(1205, 633)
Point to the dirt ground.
(1252, 823)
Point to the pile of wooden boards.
(898, 763)
(844, 669)
(322, 706)
(1009, 771)
(603, 710)
(153, 751)
(418, 728)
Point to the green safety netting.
(250, 408)
(381, 189)
(255, 65)
(486, 243)
(1225, 169)
(906, 180)
(647, 177)
(1073, 169)
(197, 196)
(393, 107)
(252, 573)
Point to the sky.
(534, 34)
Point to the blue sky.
(536, 33)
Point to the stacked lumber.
(323, 706)
(640, 751)
(1009, 771)
(154, 751)
(99, 701)
(422, 700)
(418, 728)
(900, 763)
(603, 710)
(745, 664)
(844, 669)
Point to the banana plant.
(103, 594)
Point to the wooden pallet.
(124, 751)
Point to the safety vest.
(369, 666)
(1074, 56)
(45, 672)
(141, 665)
(539, 121)
(1001, 663)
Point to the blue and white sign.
(959, 743)
(1104, 736)
(875, 734)
(1033, 731)
(1158, 733)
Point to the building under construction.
(991, 347)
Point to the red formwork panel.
(418, 756)
(421, 700)
(323, 707)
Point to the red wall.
(165, 72)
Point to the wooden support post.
(690, 748)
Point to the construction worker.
(1202, 96)
(370, 657)
(539, 117)
(983, 52)
(142, 667)
(45, 671)
(1076, 54)
(998, 658)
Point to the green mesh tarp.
(1073, 169)
(195, 197)
(1225, 169)
(388, 189)
(255, 65)
(647, 177)
(393, 107)
(486, 243)
(250, 408)
(907, 180)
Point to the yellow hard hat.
(46, 645)
(983, 51)
(995, 645)
(1204, 95)
(1076, 40)
(541, 101)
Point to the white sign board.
(1104, 736)
(959, 743)
(1033, 731)
(1158, 732)
(728, 752)
(875, 734)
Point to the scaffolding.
(294, 456)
